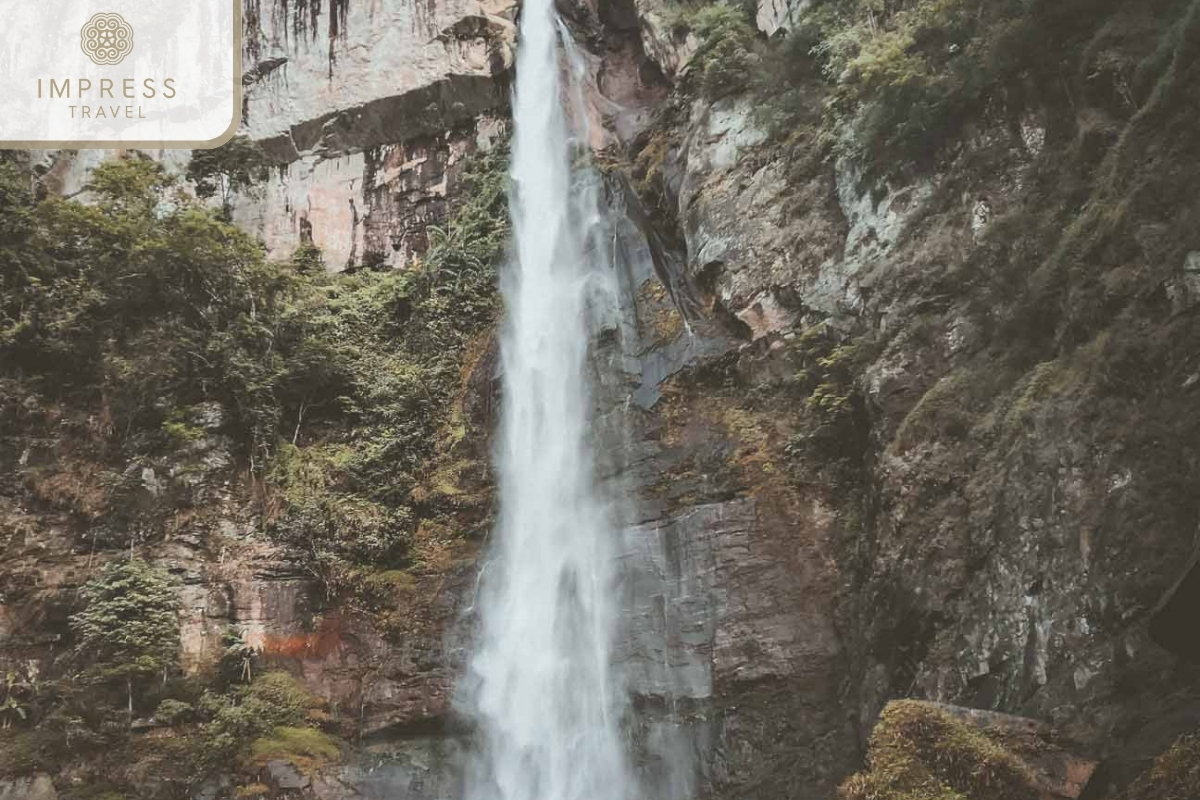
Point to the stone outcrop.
(936, 749)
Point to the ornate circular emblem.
(107, 38)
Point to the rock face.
(356, 75)
(365, 107)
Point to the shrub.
(172, 711)
(142, 304)
(273, 700)
(905, 77)
(724, 59)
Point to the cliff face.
(899, 417)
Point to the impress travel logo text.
(146, 74)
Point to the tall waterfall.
(542, 692)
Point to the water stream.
(545, 703)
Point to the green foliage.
(827, 380)
(179, 430)
(724, 59)
(385, 352)
(341, 393)
(337, 388)
(172, 711)
(249, 712)
(128, 628)
(63, 734)
(909, 75)
(20, 691)
(903, 77)
(144, 300)
(228, 169)
(237, 661)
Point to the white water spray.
(541, 689)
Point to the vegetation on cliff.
(338, 390)
(920, 752)
(903, 80)
(128, 628)
(140, 331)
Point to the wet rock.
(285, 777)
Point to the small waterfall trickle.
(540, 687)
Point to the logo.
(176, 83)
(107, 39)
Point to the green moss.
(304, 747)
(247, 713)
(379, 591)
(1064, 377)
(920, 752)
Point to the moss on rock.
(919, 751)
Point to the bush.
(172, 711)
(836, 426)
(904, 78)
(724, 59)
(273, 700)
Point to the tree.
(128, 629)
(236, 165)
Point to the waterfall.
(540, 686)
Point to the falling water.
(542, 694)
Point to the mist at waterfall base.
(541, 694)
